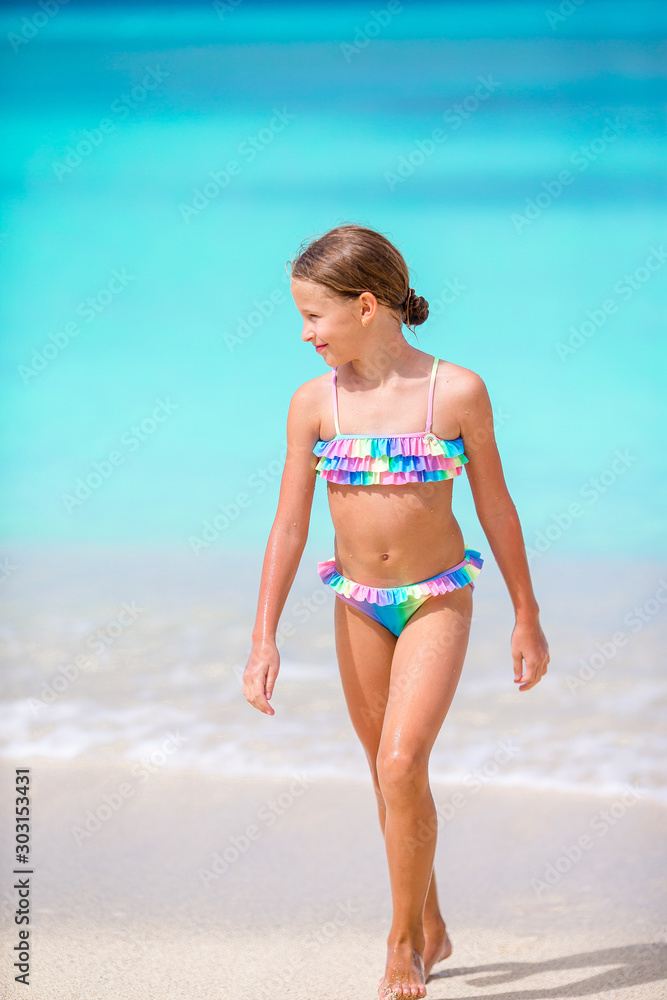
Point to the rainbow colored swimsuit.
(370, 460)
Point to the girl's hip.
(447, 580)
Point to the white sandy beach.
(136, 909)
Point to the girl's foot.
(438, 947)
(404, 974)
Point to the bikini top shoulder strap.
(334, 395)
(429, 415)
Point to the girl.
(389, 428)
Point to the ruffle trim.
(452, 579)
(389, 461)
(351, 478)
(383, 447)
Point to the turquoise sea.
(323, 130)
(161, 166)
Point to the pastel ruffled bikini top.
(370, 460)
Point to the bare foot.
(438, 947)
(404, 974)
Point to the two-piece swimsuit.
(369, 460)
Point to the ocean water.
(162, 169)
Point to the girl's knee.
(401, 773)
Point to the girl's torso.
(390, 489)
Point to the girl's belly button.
(385, 555)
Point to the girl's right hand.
(259, 676)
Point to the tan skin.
(398, 689)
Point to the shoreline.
(92, 680)
(520, 783)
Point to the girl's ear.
(369, 307)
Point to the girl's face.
(331, 324)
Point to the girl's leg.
(365, 652)
(426, 666)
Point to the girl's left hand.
(529, 644)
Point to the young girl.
(389, 428)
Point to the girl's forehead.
(309, 292)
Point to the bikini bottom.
(394, 606)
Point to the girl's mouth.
(321, 347)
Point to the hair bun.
(416, 309)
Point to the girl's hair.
(351, 259)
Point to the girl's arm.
(500, 523)
(285, 546)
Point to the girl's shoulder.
(463, 381)
(313, 389)
(311, 396)
(307, 405)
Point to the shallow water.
(163, 641)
